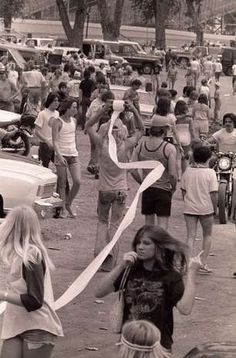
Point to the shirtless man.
(8, 91)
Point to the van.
(228, 59)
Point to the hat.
(2, 68)
(77, 74)
(159, 121)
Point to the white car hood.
(26, 169)
(6, 116)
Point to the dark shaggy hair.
(170, 253)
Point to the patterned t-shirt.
(151, 295)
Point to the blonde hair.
(20, 237)
(140, 339)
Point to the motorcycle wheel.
(223, 203)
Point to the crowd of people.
(162, 269)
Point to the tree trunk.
(110, 27)
(75, 34)
(195, 13)
(160, 32)
(161, 14)
(7, 22)
(199, 37)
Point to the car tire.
(147, 68)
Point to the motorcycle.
(224, 170)
(20, 143)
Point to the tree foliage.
(10, 9)
(194, 8)
(160, 10)
(75, 33)
(110, 24)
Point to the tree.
(10, 9)
(75, 33)
(161, 11)
(194, 13)
(110, 26)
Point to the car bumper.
(46, 208)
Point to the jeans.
(110, 203)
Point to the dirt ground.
(86, 322)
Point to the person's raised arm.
(106, 285)
(89, 125)
(186, 303)
(133, 140)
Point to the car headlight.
(46, 190)
(224, 163)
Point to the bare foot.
(71, 214)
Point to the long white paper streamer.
(84, 278)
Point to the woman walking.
(30, 325)
(185, 132)
(66, 154)
(155, 282)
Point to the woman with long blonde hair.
(30, 325)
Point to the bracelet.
(5, 295)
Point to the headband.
(137, 347)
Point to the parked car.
(12, 54)
(133, 53)
(38, 42)
(100, 49)
(228, 58)
(67, 51)
(25, 182)
(146, 101)
(183, 56)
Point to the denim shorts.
(69, 159)
(36, 338)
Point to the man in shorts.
(156, 200)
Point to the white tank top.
(66, 138)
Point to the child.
(204, 89)
(199, 188)
(217, 100)
(172, 75)
(189, 77)
(201, 116)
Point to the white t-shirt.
(234, 70)
(198, 183)
(44, 122)
(218, 67)
(195, 66)
(226, 141)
